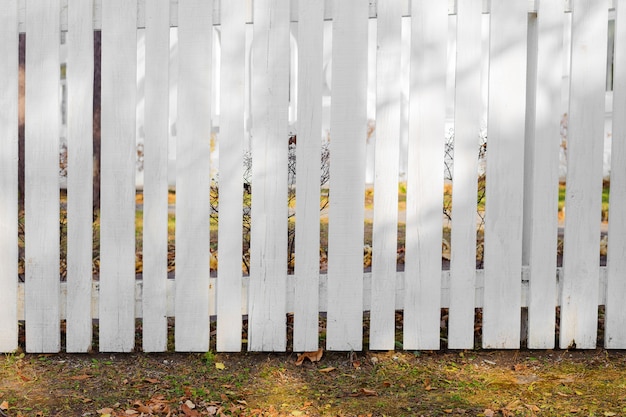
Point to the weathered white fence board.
(231, 139)
(268, 239)
(155, 187)
(80, 73)
(347, 176)
(579, 310)
(385, 227)
(8, 175)
(193, 176)
(41, 178)
(424, 198)
(308, 155)
(615, 328)
(467, 126)
(117, 214)
(542, 173)
(505, 175)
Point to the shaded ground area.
(472, 383)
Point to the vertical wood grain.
(615, 336)
(268, 251)
(466, 141)
(155, 187)
(308, 156)
(348, 123)
(579, 309)
(42, 177)
(8, 175)
(231, 138)
(80, 68)
(505, 175)
(542, 174)
(117, 218)
(387, 153)
(424, 199)
(193, 175)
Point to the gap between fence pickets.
(323, 293)
(141, 12)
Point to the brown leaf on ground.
(139, 406)
(188, 411)
(369, 392)
(312, 356)
(80, 377)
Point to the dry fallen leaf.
(4, 405)
(312, 356)
(80, 377)
(188, 411)
(519, 367)
(106, 410)
(329, 369)
(220, 366)
(142, 408)
(369, 392)
(151, 380)
(489, 413)
(427, 385)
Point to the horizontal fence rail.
(280, 109)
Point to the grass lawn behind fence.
(368, 226)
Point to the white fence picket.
(308, 155)
(42, 178)
(80, 72)
(8, 176)
(231, 139)
(579, 309)
(542, 173)
(117, 213)
(348, 122)
(424, 198)
(467, 126)
(193, 175)
(615, 330)
(268, 252)
(385, 226)
(155, 187)
(505, 175)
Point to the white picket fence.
(525, 55)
